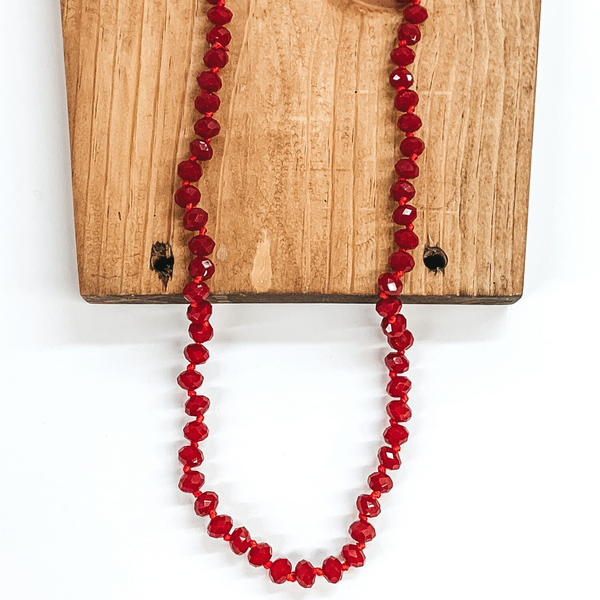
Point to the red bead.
(380, 482)
(399, 411)
(402, 342)
(207, 102)
(353, 555)
(190, 380)
(412, 145)
(206, 503)
(195, 219)
(201, 332)
(219, 526)
(213, 1)
(394, 326)
(201, 149)
(406, 99)
(197, 354)
(398, 386)
(280, 569)
(197, 406)
(260, 554)
(201, 245)
(195, 292)
(407, 168)
(394, 361)
(199, 313)
(404, 214)
(390, 284)
(195, 431)
(402, 261)
(216, 57)
(207, 127)
(240, 540)
(305, 574)
(220, 15)
(187, 194)
(191, 482)
(402, 191)
(190, 456)
(189, 170)
(409, 123)
(409, 33)
(209, 81)
(332, 569)
(401, 78)
(219, 35)
(402, 56)
(406, 239)
(202, 267)
(368, 506)
(389, 458)
(395, 435)
(388, 307)
(362, 532)
(415, 13)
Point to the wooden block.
(298, 190)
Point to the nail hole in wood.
(435, 259)
(161, 261)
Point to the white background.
(499, 493)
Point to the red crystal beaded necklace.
(196, 292)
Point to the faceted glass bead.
(190, 380)
(380, 482)
(368, 506)
(402, 261)
(197, 406)
(279, 570)
(202, 267)
(394, 326)
(409, 123)
(404, 214)
(403, 342)
(209, 81)
(410, 33)
(415, 13)
(195, 292)
(395, 435)
(399, 411)
(199, 313)
(412, 145)
(406, 239)
(219, 526)
(388, 307)
(207, 127)
(398, 386)
(201, 149)
(197, 354)
(406, 99)
(222, 35)
(195, 219)
(407, 168)
(191, 482)
(402, 190)
(390, 284)
(389, 458)
(189, 170)
(220, 15)
(187, 194)
(332, 569)
(394, 361)
(362, 532)
(207, 102)
(353, 555)
(305, 574)
(402, 56)
(201, 332)
(206, 503)
(201, 245)
(190, 456)
(260, 554)
(195, 431)
(401, 78)
(240, 540)
(216, 57)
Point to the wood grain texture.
(298, 190)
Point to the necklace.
(196, 292)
